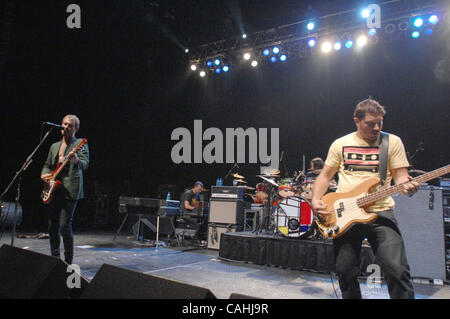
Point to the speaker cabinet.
(112, 282)
(215, 232)
(28, 274)
(421, 223)
(226, 211)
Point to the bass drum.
(294, 217)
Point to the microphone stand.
(229, 172)
(18, 177)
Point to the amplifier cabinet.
(215, 232)
(226, 211)
(421, 222)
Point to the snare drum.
(294, 217)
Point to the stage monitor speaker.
(112, 282)
(421, 223)
(28, 274)
(224, 211)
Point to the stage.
(209, 269)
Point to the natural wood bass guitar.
(348, 209)
(53, 184)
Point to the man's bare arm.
(320, 187)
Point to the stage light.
(326, 47)
(418, 22)
(193, 67)
(202, 73)
(247, 56)
(225, 68)
(310, 26)
(337, 46)
(361, 41)
(372, 32)
(349, 44)
(254, 63)
(312, 42)
(415, 34)
(283, 57)
(276, 50)
(266, 52)
(186, 50)
(365, 13)
(244, 36)
(433, 19)
(209, 64)
(273, 59)
(217, 62)
(429, 31)
(218, 70)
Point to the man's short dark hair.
(198, 183)
(368, 106)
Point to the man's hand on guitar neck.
(46, 177)
(400, 176)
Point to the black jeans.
(60, 223)
(387, 244)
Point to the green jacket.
(72, 174)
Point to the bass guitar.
(53, 184)
(349, 208)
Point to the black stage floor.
(202, 267)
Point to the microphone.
(53, 124)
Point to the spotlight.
(225, 68)
(312, 42)
(337, 46)
(310, 26)
(361, 41)
(266, 52)
(403, 26)
(429, 31)
(244, 36)
(276, 50)
(349, 44)
(365, 13)
(209, 64)
(273, 59)
(193, 67)
(415, 34)
(372, 32)
(326, 47)
(418, 22)
(218, 70)
(202, 73)
(254, 63)
(283, 57)
(217, 61)
(186, 50)
(433, 19)
(247, 56)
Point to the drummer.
(316, 166)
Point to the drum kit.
(287, 205)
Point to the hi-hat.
(238, 176)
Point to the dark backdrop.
(125, 74)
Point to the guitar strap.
(384, 152)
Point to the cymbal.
(249, 188)
(264, 177)
(239, 181)
(238, 176)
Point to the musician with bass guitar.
(361, 157)
(62, 175)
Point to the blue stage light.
(218, 70)
(273, 59)
(372, 32)
(418, 22)
(266, 52)
(349, 44)
(276, 50)
(312, 42)
(365, 13)
(310, 26)
(433, 19)
(225, 68)
(209, 64)
(283, 57)
(217, 62)
(429, 31)
(415, 34)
